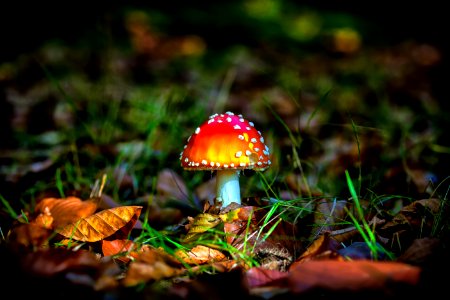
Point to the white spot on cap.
(253, 140)
(228, 119)
(241, 120)
(238, 154)
(242, 164)
(237, 127)
(186, 159)
(256, 149)
(262, 140)
(217, 164)
(232, 165)
(248, 152)
(204, 162)
(241, 137)
(251, 124)
(197, 130)
(212, 164)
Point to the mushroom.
(226, 143)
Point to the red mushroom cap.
(225, 141)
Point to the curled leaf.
(200, 224)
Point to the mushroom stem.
(227, 187)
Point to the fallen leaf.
(50, 262)
(103, 224)
(258, 276)
(200, 224)
(351, 276)
(320, 245)
(172, 186)
(65, 210)
(269, 239)
(115, 247)
(199, 255)
(152, 265)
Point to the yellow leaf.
(102, 224)
(200, 224)
(199, 255)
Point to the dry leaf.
(152, 265)
(172, 186)
(259, 276)
(110, 248)
(327, 213)
(65, 210)
(351, 276)
(50, 262)
(200, 224)
(320, 245)
(270, 240)
(199, 255)
(29, 236)
(103, 224)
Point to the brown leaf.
(258, 276)
(29, 236)
(414, 219)
(327, 213)
(351, 276)
(152, 265)
(320, 245)
(271, 239)
(103, 224)
(420, 251)
(171, 185)
(49, 262)
(65, 210)
(200, 255)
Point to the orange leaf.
(360, 275)
(200, 255)
(103, 224)
(65, 210)
(115, 247)
(320, 245)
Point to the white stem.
(227, 187)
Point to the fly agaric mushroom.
(226, 143)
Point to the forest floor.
(95, 202)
